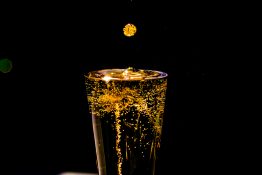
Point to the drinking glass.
(127, 109)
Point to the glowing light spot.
(106, 78)
(129, 30)
(5, 65)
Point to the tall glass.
(127, 108)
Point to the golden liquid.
(127, 112)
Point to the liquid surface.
(126, 74)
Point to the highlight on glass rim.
(127, 109)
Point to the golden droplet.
(129, 30)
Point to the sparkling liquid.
(127, 121)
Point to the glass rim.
(108, 74)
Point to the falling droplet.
(129, 30)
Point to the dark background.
(45, 125)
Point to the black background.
(45, 125)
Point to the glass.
(127, 108)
